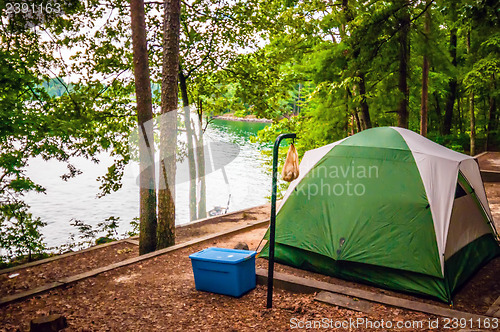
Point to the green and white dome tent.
(388, 207)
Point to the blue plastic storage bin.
(224, 271)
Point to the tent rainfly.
(390, 208)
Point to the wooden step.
(494, 310)
(346, 302)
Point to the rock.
(241, 246)
(52, 323)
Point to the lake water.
(248, 185)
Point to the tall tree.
(404, 58)
(472, 125)
(424, 107)
(193, 215)
(200, 164)
(472, 150)
(364, 117)
(147, 191)
(212, 33)
(492, 119)
(452, 93)
(168, 124)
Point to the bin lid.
(223, 255)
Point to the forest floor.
(489, 161)
(159, 293)
(38, 275)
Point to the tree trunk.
(168, 124)
(439, 114)
(347, 14)
(459, 113)
(404, 55)
(471, 108)
(348, 115)
(424, 107)
(366, 122)
(190, 146)
(147, 191)
(200, 158)
(472, 126)
(425, 97)
(202, 198)
(363, 118)
(492, 121)
(450, 102)
(358, 122)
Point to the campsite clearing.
(159, 293)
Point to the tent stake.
(272, 226)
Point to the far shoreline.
(242, 119)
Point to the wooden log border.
(302, 285)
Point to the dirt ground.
(29, 278)
(159, 295)
(493, 195)
(221, 223)
(39, 275)
(489, 161)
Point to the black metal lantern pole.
(272, 227)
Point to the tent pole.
(272, 226)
